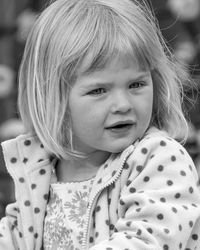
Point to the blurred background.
(179, 21)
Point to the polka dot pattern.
(161, 209)
(150, 192)
(13, 160)
(27, 142)
(25, 168)
(25, 160)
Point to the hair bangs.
(109, 44)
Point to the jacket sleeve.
(9, 234)
(159, 206)
(29, 166)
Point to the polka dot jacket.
(146, 198)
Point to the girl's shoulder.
(155, 135)
(158, 141)
(24, 149)
(24, 142)
(22, 139)
(157, 150)
(154, 132)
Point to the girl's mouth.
(120, 127)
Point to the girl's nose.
(121, 103)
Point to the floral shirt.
(66, 215)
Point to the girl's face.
(110, 108)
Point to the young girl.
(100, 96)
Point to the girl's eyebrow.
(93, 85)
(98, 82)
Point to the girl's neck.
(80, 169)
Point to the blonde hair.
(63, 35)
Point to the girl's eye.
(136, 85)
(98, 91)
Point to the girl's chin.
(120, 148)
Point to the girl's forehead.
(117, 61)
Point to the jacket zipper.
(85, 234)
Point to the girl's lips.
(120, 127)
(120, 124)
